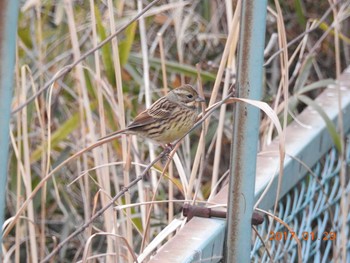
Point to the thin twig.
(264, 244)
(300, 258)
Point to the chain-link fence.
(312, 209)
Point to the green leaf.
(304, 74)
(316, 85)
(106, 50)
(89, 85)
(126, 44)
(24, 34)
(325, 28)
(300, 13)
(59, 135)
(172, 66)
(330, 125)
(206, 9)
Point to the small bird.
(167, 119)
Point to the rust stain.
(246, 38)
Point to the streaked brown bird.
(167, 119)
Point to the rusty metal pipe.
(201, 211)
(245, 132)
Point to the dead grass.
(109, 87)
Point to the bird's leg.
(147, 176)
(167, 150)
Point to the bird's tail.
(113, 135)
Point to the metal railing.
(312, 210)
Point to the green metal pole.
(246, 130)
(8, 32)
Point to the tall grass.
(109, 87)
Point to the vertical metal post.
(246, 131)
(8, 32)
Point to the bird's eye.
(190, 96)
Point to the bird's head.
(186, 96)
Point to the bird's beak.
(200, 99)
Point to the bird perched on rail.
(167, 119)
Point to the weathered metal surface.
(8, 31)
(246, 131)
(201, 240)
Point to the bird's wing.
(161, 109)
(142, 119)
